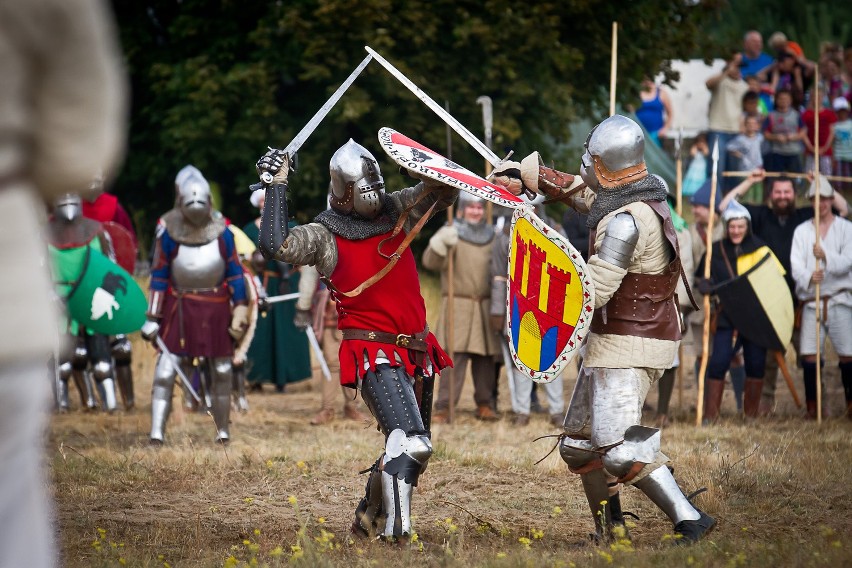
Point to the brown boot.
(812, 409)
(483, 412)
(324, 416)
(441, 417)
(751, 397)
(350, 412)
(714, 389)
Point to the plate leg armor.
(122, 357)
(238, 389)
(389, 394)
(219, 371)
(662, 489)
(101, 358)
(369, 515)
(62, 386)
(161, 394)
(79, 363)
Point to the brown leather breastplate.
(645, 305)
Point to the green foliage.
(214, 83)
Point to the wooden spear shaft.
(705, 338)
(816, 243)
(785, 174)
(612, 68)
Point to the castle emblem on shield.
(550, 298)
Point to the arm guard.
(307, 287)
(310, 244)
(405, 198)
(619, 240)
(273, 222)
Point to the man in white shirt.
(828, 263)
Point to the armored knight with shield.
(70, 236)
(197, 303)
(635, 267)
(360, 248)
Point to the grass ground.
(283, 492)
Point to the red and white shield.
(416, 157)
(550, 298)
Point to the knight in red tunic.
(360, 247)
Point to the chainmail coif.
(648, 188)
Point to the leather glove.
(239, 322)
(508, 174)
(150, 329)
(444, 239)
(498, 323)
(276, 165)
(302, 319)
(704, 286)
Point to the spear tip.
(716, 150)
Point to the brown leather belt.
(416, 342)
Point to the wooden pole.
(816, 243)
(679, 173)
(705, 338)
(792, 175)
(782, 364)
(612, 68)
(450, 332)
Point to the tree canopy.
(215, 82)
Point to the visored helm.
(194, 199)
(615, 154)
(356, 181)
(68, 207)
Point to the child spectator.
(764, 97)
(840, 140)
(746, 149)
(696, 173)
(788, 76)
(784, 130)
(826, 119)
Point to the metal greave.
(221, 376)
(662, 489)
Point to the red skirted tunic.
(391, 305)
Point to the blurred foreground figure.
(197, 303)
(360, 248)
(62, 119)
(634, 333)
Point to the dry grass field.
(283, 492)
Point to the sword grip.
(273, 222)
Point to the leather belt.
(416, 342)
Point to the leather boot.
(812, 409)
(751, 398)
(714, 389)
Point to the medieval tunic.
(345, 250)
(195, 322)
(471, 296)
(652, 255)
(279, 352)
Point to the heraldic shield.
(416, 157)
(101, 295)
(550, 298)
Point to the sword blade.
(460, 129)
(312, 124)
(312, 339)
(282, 298)
(186, 382)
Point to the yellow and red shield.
(550, 298)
